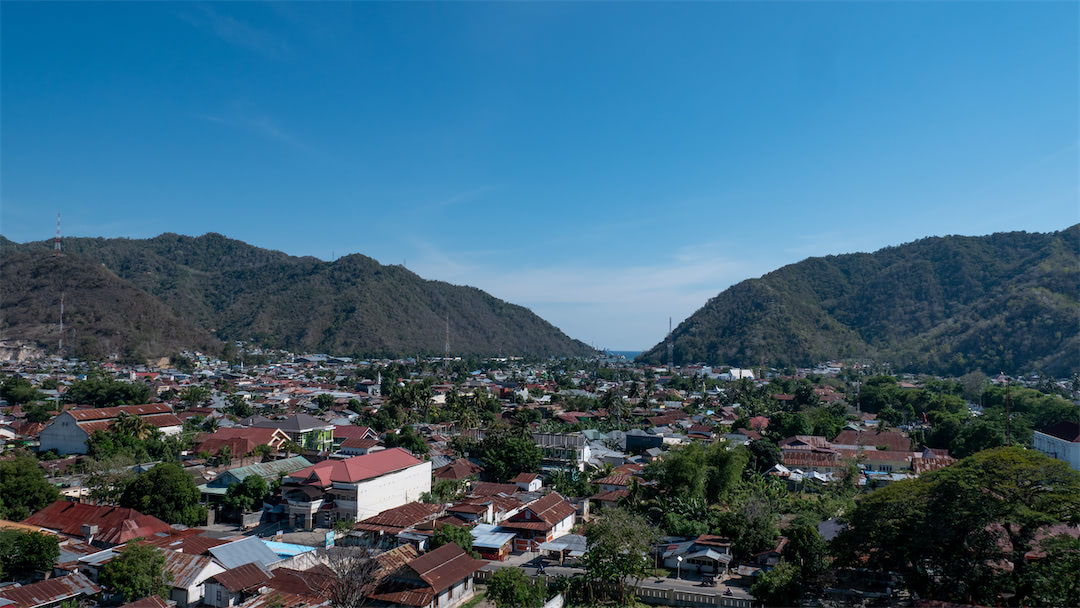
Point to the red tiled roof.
(102, 413)
(352, 431)
(804, 442)
(408, 514)
(550, 508)
(458, 469)
(524, 478)
(152, 601)
(359, 444)
(159, 420)
(618, 479)
(241, 440)
(357, 468)
(116, 525)
(611, 496)
(800, 458)
(445, 566)
(488, 488)
(895, 441)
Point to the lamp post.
(678, 567)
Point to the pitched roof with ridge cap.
(115, 524)
(357, 468)
(244, 577)
(49, 591)
(298, 424)
(408, 514)
(158, 420)
(102, 413)
(458, 469)
(551, 508)
(444, 566)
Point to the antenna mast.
(56, 243)
(446, 349)
(670, 347)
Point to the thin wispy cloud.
(581, 299)
(257, 123)
(460, 197)
(236, 32)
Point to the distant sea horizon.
(629, 354)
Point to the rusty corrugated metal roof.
(51, 591)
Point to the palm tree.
(133, 426)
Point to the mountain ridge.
(352, 305)
(952, 304)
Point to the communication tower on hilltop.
(56, 243)
(670, 347)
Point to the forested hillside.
(353, 305)
(103, 314)
(1004, 302)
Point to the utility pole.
(446, 349)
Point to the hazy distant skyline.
(607, 165)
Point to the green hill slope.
(103, 314)
(352, 305)
(1004, 302)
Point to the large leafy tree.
(510, 588)
(618, 552)
(24, 488)
(699, 473)
(168, 493)
(505, 454)
(104, 392)
(138, 572)
(248, 494)
(17, 390)
(23, 553)
(781, 586)
(409, 439)
(452, 534)
(950, 531)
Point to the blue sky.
(607, 165)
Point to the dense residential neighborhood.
(311, 481)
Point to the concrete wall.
(64, 436)
(1052, 446)
(387, 491)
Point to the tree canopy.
(105, 392)
(247, 495)
(138, 572)
(950, 531)
(452, 534)
(510, 588)
(23, 553)
(168, 493)
(24, 488)
(617, 552)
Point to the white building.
(68, 431)
(1061, 441)
(355, 488)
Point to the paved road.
(529, 564)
